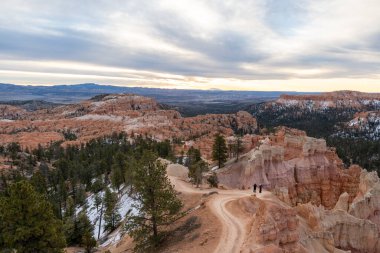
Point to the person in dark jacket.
(254, 188)
(260, 188)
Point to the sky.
(283, 45)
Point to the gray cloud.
(208, 39)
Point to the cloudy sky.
(303, 45)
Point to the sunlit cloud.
(249, 45)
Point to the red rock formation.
(9, 112)
(273, 227)
(299, 168)
(321, 206)
(135, 115)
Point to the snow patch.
(125, 203)
(100, 117)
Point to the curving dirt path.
(233, 227)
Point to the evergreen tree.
(70, 207)
(14, 148)
(111, 215)
(193, 156)
(27, 222)
(76, 228)
(219, 150)
(156, 202)
(88, 241)
(97, 186)
(38, 182)
(130, 172)
(117, 177)
(196, 170)
(85, 230)
(97, 201)
(213, 180)
(238, 147)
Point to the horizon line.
(182, 88)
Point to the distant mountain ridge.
(78, 92)
(336, 99)
(188, 102)
(31, 105)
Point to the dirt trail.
(233, 227)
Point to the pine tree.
(193, 156)
(156, 202)
(213, 180)
(196, 170)
(117, 177)
(88, 241)
(78, 227)
(111, 215)
(39, 182)
(238, 147)
(219, 150)
(97, 201)
(85, 230)
(70, 207)
(130, 172)
(27, 222)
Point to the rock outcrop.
(272, 226)
(106, 114)
(299, 168)
(319, 206)
(349, 227)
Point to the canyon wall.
(297, 167)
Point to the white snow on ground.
(354, 122)
(288, 102)
(363, 127)
(113, 238)
(214, 168)
(100, 117)
(125, 204)
(98, 104)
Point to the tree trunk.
(154, 221)
(100, 220)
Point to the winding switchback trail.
(233, 227)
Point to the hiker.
(254, 188)
(260, 188)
